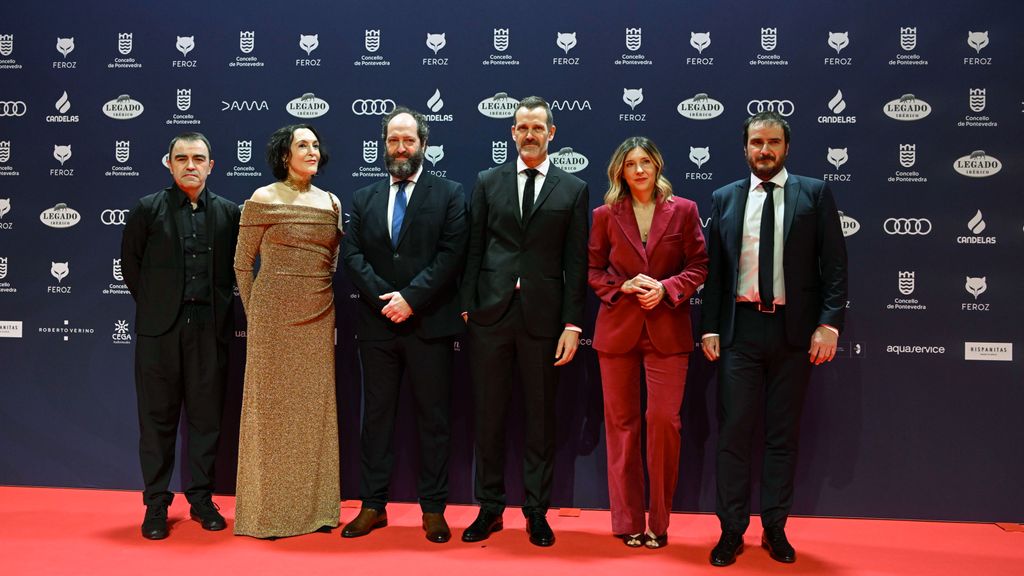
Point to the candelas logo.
(501, 105)
(977, 164)
(60, 216)
(907, 108)
(700, 107)
(123, 108)
(569, 160)
(308, 106)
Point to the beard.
(769, 167)
(403, 168)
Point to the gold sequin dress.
(288, 441)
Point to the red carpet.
(66, 532)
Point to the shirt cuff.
(574, 328)
(832, 328)
(708, 335)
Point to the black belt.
(770, 309)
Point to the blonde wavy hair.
(618, 189)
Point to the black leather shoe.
(436, 527)
(154, 525)
(774, 541)
(206, 514)
(728, 547)
(539, 530)
(485, 524)
(367, 521)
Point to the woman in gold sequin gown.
(288, 441)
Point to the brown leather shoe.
(436, 527)
(367, 521)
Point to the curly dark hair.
(279, 149)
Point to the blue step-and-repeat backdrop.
(912, 111)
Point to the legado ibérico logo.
(569, 160)
(907, 108)
(308, 106)
(60, 216)
(977, 164)
(700, 107)
(501, 105)
(124, 107)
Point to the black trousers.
(494, 350)
(428, 364)
(187, 364)
(759, 373)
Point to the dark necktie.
(766, 252)
(399, 213)
(529, 191)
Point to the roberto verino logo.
(700, 107)
(124, 107)
(501, 105)
(977, 164)
(569, 160)
(307, 106)
(907, 108)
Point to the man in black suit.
(523, 294)
(404, 250)
(176, 257)
(773, 306)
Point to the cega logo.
(907, 226)
(907, 108)
(501, 105)
(309, 42)
(308, 106)
(837, 157)
(5, 151)
(434, 154)
(565, 40)
(436, 42)
(111, 217)
(122, 150)
(769, 39)
(908, 38)
(435, 103)
(634, 38)
(59, 270)
(499, 151)
(243, 151)
(700, 41)
(700, 156)
(124, 43)
(369, 151)
(700, 107)
(121, 335)
(838, 40)
(500, 40)
(908, 155)
(185, 44)
(976, 286)
(977, 164)
(12, 108)
(6, 44)
(783, 107)
(977, 40)
(63, 104)
(371, 40)
(570, 105)
(633, 97)
(246, 41)
(569, 160)
(906, 282)
(184, 99)
(62, 153)
(60, 216)
(65, 46)
(977, 99)
(848, 224)
(115, 270)
(123, 108)
(243, 105)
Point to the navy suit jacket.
(813, 259)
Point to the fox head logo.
(633, 97)
(436, 41)
(185, 44)
(700, 41)
(65, 46)
(59, 270)
(838, 40)
(309, 42)
(566, 41)
(977, 40)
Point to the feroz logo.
(906, 282)
(5, 151)
(837, 104)
(65, 46)
(977, 99)
(434, 154)
(907, 108)
(60, 216)
(501, 105)
(12, 108)
(62, 153)
(243, 151)
(837, 157)
(700, 156)
(700, 41)
(369, 151)
(436, 42)
(908, 155)
(372, 106)
(121, 335)
(122, 150)
(565, 40)
(185, 44)
(500, 40)
(435, 103)
(124, 43)
(569, 160)
(371, 40)
(499, 151)
(633, 97)
(246, 41)
(110, 217)
(769, 39)
(848, 224)
(700, 107)
(907, 226)
(63, 104)
(184, 99)
(59, 270)
(908, 38)
(976, 286)
(977, 40)
(634, 38)
(783, 107)
(976, 224)
(977, 164)
(6, 44)
(123, 108)
(309, 42)
(115, 270)
(838, 40)
(308, 106)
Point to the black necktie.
(529, 191)
(766, 252)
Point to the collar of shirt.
(182, 199)
(412, 180)
(779, 180)
(542, 167)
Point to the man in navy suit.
(404, 250)
(773, 306)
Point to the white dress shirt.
(746, 284)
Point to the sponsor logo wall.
(913, 120)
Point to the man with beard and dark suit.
(176, 256)
(523, 294)
(774, 303)
(404, 250)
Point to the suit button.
(395, 256)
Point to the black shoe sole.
(496, 528)
(380, 524)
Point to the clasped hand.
(397, 309)
(648, 290)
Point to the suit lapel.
(740, 194)
(792, 196)
(659, 223)
(626, 220)
(377, 210)
(511, 198)
(172, 225)
(420, 193)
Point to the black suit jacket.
(153, 261)
(813, 259)
(425, 266)
(548, 253)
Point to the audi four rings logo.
(13, 108)
(783, 107)
(113, 217)
(908, 226)
(371, 107)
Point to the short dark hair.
(531, 102)
(769, 118)
(190, 137)
(279, 149)
(422, 129)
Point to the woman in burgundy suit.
(647, 259)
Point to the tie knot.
(531, 173)
(402, 184)
(768, 186)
